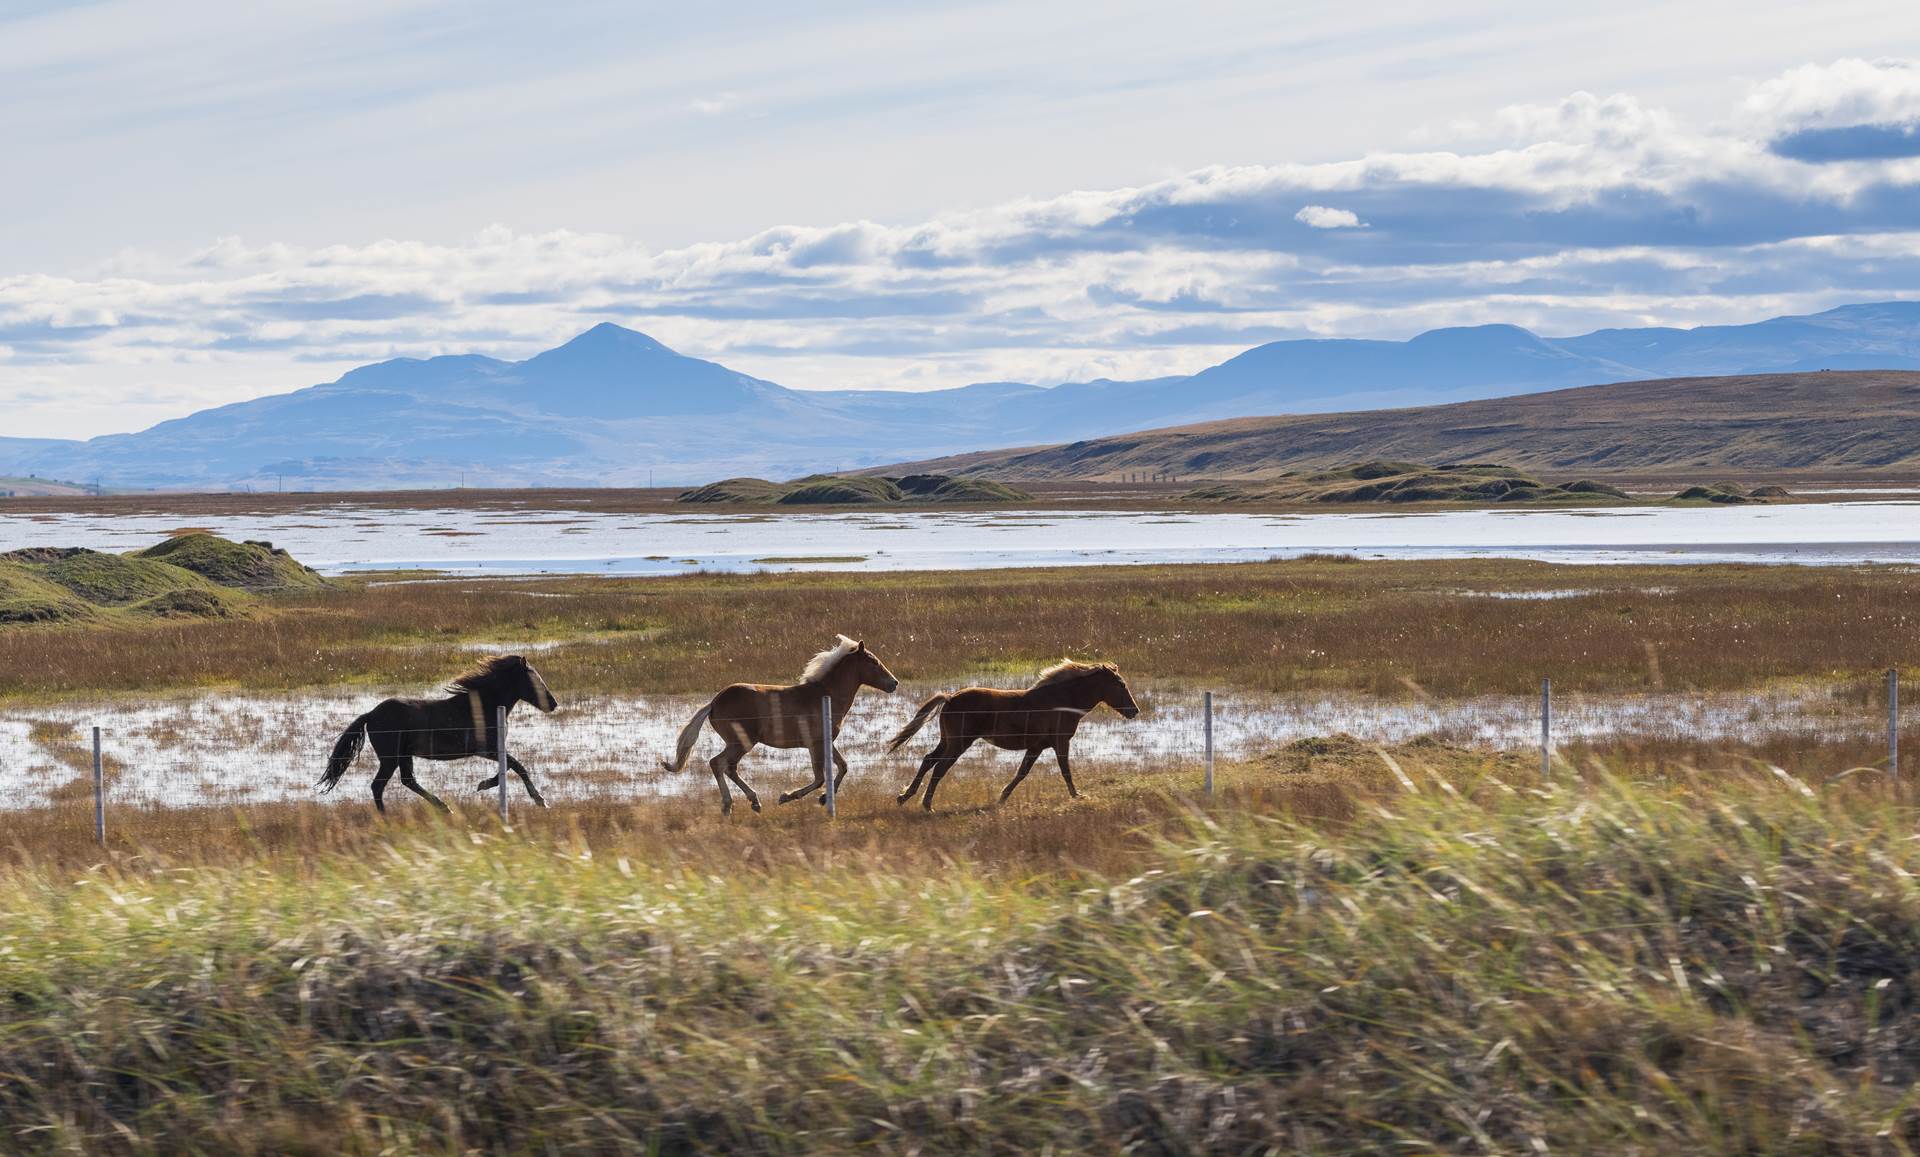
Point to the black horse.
(457, 727)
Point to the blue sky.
(209, 202)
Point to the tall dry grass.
(1384, 627)
(1460, 962)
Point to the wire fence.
(233, 751)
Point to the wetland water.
(348, 536)
(225, 750)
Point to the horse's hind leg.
(943, 765)
(1026, 765)
(413, 785)
(380, 778)
(722, 766)
(926, 765)
(526, 780)
(839, 761)
(819, 778)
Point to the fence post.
(1893, 723)
(99, 792)
(826, 750)
(500, 751)
(1546, 728)
(1206, 709)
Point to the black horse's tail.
(344, 752)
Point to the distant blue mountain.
(614, 406)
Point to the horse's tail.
(918, 721)
(345, 751)
(688, 735)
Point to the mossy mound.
(735, 490)
(210, 603)
(1769, 492)
(1399, 482)
(118, 580)
(946, 488)
(1589, 486)
(249, 566)
(1722, 493)
(855, 490)
(25, 597)
(837, 490)
(191, 576)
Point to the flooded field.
(232, 750)
(350, 536)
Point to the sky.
(202, 203)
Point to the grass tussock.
(1317, 624)
(1717, 964)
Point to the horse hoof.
(756, 805)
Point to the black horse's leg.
(1066, 772)
(943, 765)
(1026, 765)
(380, 778)
(839, 761)
(722, 766)
(518, 769)
(413, 785)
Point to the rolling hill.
(616, 407)
(1856, 420)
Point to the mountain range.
(615, 407)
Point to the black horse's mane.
(487, 675)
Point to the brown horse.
(1044, 715)
(747, 714)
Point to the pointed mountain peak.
(608, 335)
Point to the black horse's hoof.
(756, 805)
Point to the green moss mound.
(833, 490)
(210, 603)
(1385, 481)
(735, 490)
(1721, 493)
(249, 566)
(27, 598)
(1589, 486)
(117, 580)
(855, 490)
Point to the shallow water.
(225, 750)
(350, 536)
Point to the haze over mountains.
(615, 407)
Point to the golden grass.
(1314, 624)
(1450, 959)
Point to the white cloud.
(1562, 216)
(1322, 217)
(1846, 92)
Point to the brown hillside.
(1853, 420)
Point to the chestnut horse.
(747, 714)
(1044, 715)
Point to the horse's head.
(529, 687)
(872, 672)
(1114, 691)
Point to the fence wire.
(234, 751)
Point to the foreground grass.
(1304, 625)
(1457, 963)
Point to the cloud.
(1321, 217)
(1562, 216)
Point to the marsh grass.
(1302, 625)
(1717, 962)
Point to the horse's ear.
(861, 647)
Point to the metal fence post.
(500, 746)
(1893, 723)
(1546, 728)
(1206, 709)
(99, 792)
(826, 750)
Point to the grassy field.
(1394, 628)
(1439, 957)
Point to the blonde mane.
(822, 665)
(1067, 669)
